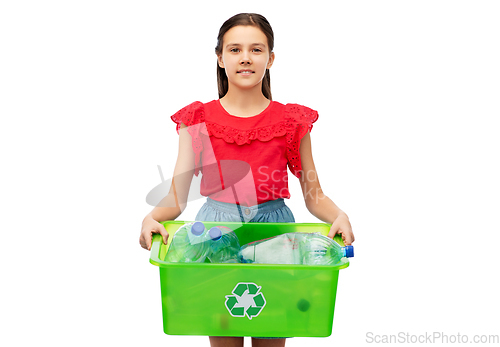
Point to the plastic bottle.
(281, 249)
(295, 248)
(321, 250)
(224, 245)
(189, 244)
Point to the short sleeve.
(299, 120)
(193, 116)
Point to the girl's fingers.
(332, 233)
(160, 230)
(144, 242)
(348, 238)
(149, 236)
(163, 233)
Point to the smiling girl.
(245, 125)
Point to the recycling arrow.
(246, 300)
(230, 302)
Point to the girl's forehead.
(244, 35)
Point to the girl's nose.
(245, 59)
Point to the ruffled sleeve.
(299, 120)
(193, 116)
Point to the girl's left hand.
(342, 226)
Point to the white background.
(406, 143)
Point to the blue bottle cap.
(197, 228)
(215, 233)
(349, 251)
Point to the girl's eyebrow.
(239, 44)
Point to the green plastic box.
(259, 300)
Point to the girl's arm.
(172, 205)
(316, 201)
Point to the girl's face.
(245, 56)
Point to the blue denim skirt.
(274, 211)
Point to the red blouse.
(244, 159)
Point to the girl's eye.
(236, 50)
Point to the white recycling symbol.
(246, 300)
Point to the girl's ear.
(220, 62)
(271, 60)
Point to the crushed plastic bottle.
(224, 245)
(189, 244)
(281, 249)
(295, 248)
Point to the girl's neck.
(244, 103)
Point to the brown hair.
(251, 19)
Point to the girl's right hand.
(150, 227)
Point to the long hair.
(252, 19)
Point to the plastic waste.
(281, 249)
(224, 245)
(189, 244)
(321, 250)
(295, 248)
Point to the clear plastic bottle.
(224, 245)
(321, 250)
(295, 248)
(281, 249)
(189, 244)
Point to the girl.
(243, 143)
